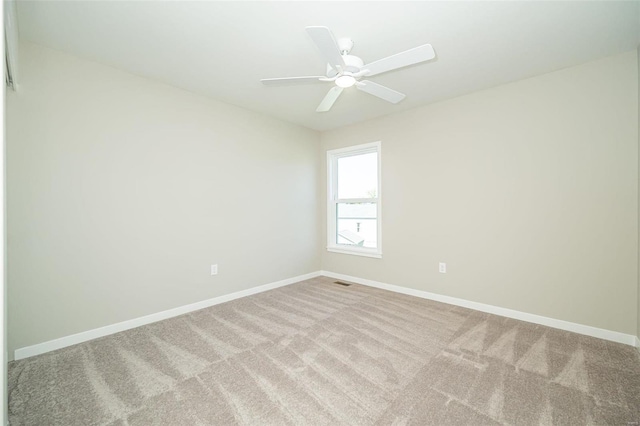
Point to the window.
(353, 205)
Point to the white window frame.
(332, 199)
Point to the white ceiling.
(223, 49)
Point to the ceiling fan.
(345, 70)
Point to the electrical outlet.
(442, 267)
(214, 269)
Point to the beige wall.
(528, 191)
(122, 192)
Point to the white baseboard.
(614, 336)
(84, 336)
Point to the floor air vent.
(342, 283)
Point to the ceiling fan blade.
(292, 80)
(329, 99)
(382, 92)
(403, 59)
(323, 38)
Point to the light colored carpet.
(319, 353)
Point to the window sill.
(356, 252)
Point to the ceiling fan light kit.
(345, 70)
(345, 81)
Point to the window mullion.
(356, 200)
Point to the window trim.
(332, 200)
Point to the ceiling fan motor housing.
(353, 64)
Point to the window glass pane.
(358, 176)
(357, 224)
